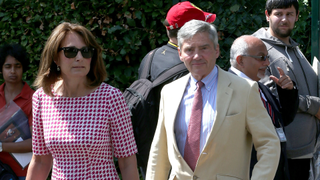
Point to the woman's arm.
(18, 147)
(128, 168)
(39, 167)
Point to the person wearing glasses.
(79, 122)
(14, 62)
(249, 59)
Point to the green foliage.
(125, 29)
(128, 29)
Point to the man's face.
(281, 21)
(199, 55)
(255, 68)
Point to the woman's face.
(12, 70)
(75, 67)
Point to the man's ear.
(297, 17)
(179, 51)
(217, 50)
(267, 15)
(239, 60)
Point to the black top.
(164, 58)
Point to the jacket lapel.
(173, 103)
(224, 95)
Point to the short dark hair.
(281, 4)
(16, 51)
(173, 33)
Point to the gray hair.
(239, 47)
(189, 29)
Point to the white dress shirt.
(209, 92)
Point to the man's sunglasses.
(262, 58)
(71, 52)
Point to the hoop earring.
(58, 69)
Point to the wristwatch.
(0, 146)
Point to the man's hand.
(284, 81)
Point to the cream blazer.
(241, 120)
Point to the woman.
(79, 122)
(14, 62)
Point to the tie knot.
(200, 84)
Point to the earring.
(58, 69)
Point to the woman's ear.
(56, 62)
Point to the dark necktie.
(192, 146)
(268, 107)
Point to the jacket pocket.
(226, 177)
(232, 115)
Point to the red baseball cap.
(185, 11)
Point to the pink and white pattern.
(83, 133)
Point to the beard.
(261, 76)
(281, 34)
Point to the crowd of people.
(258, 120)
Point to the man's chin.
(284, 34)
(260, 76)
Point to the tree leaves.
(128, 30)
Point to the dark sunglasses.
(71, 52)
(262, 58)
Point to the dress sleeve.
(38, 142)
(122, 136)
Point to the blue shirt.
(209, 92)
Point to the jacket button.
(194, 177)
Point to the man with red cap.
(167, 57)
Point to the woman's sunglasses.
(71, 52)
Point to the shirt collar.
(239, 73)
(25, 92)
(172, 44)
(208, 81)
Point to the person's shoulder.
(236, 82)
(168, 50)
(181, 82)
(39, 93)
(260, 33)
(234, 77)
(27, 88)
(108, 89)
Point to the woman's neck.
(72, 88)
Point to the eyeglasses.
(262, 58)
(71, 52)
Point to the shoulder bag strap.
(147, 64)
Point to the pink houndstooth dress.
(83, 133)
